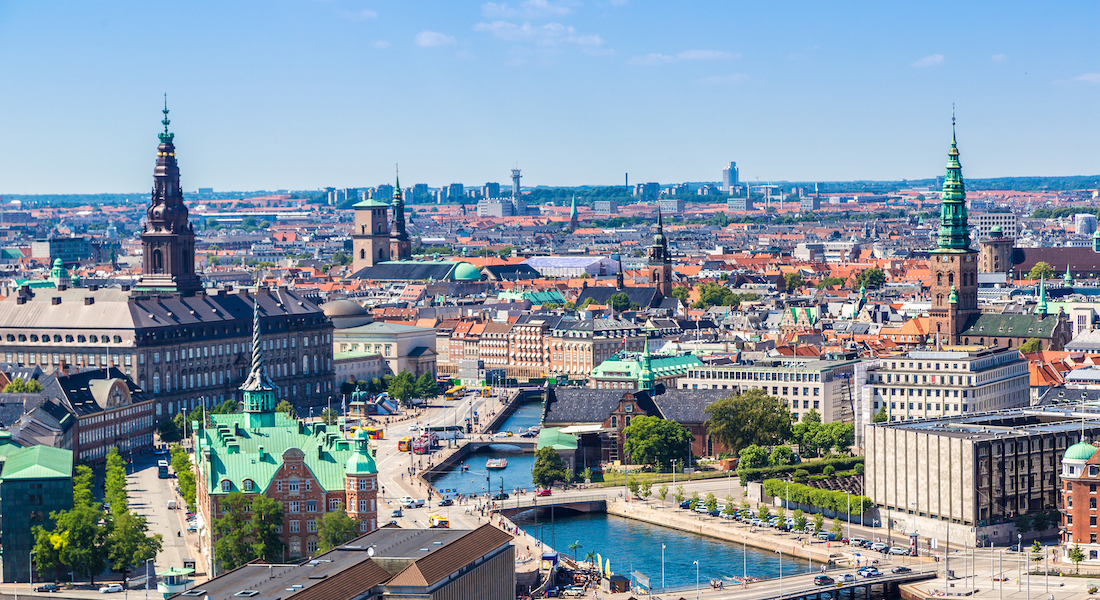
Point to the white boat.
(496, 463)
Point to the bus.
(423, 444)
(162, 469)
(447, 432)
(404, 444)
(456, 392)
(486, 391)
(374, 433)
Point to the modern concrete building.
(977, 472)
(984, 222)
(741, 203)
(672, 205)
(730, 178)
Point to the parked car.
(111, 589)
(545, 492)
(846, 578)
(826, 535)
(857, 541)
(897, 551)
(878, 546)
(685, 504)
(824, 580)
(572, 592)
(701, 508)
(715, 513)
(47, 587)
(901, 570)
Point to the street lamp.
(696, 563)
(662, 568)
(1019, 565)
(147, 561)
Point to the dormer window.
(248, 485)
(226, 485)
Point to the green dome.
(466, 272)
(57, 263)
(1080, 451)
(361, 462)
(996, 231)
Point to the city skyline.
(303, 95)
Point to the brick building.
(1080, 479)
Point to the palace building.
(310, 468)
(180, 342)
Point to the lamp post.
(1019, 565)
(30, 570)
(147, 561)
(662, 568)
(696, 563)
(780, 572)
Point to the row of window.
(70, 339)
(88, 436)
(756, 375)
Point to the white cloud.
(705, 55)
(528, 9)
(657, 58)
(1089, 77)
(358, 15)
(618, 2)
(724, 79)
(551, 34)
(932, 60)
(997, 57)
(650, 59)
(431, 39)
(381, 44)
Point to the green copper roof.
(659, 366)
(553, 437)
(953, 235)
(234, 451)
(1080, 451)
(1041, 308)
(464, 271)
(369, 203)
(954, 297)
(361, 462)
(546, 297)
(38, 462)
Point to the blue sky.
(302, 94)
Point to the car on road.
(545, 492)
(824, 580)
(47, 587)
(500, 496)
(161, 450)
(446, 502)
(572, 592)
(414, 427)
(396, 513)
(901, 570)
(868, 573)
(898, 551)
(846, 578)
(111, 589)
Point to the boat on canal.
(496, 463)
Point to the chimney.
(55, 300)
(261, 452)
(320, 452)
(89, 300)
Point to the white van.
(414, 503)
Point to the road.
(149, 496)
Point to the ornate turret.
(954, 297)
(645, 377)
(953, 234)
(660, 262)
(1096, 241)
(168, 240)
(361, 462)
(259, 391)
(1041, 307)
(573, 217)
(1067, 279)
(400, 246)
(59, 276)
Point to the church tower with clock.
(953, 263)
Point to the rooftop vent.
(193, 593)
(55, 300)
(246, 593)
(89, 300)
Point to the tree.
(711, 502)
(403, 388)
(752, 417)
(1036, 551)
(1023, 523)
(286, 407)
(77, 540)
(549, 467)
(426, 387)
(781, 513)
(817, 523)
(128, 544)
(1076, 556)
(837, 527)
(792, 281)
(871, 279)
(22, 386)
(267, 518)
(330, 416)
(574, 547)
(1032, 345)
(645, 488)
(881, 415)
(231, 529)
(348, 388)
(829, 282)
(655, 441)
(662, 492)
(633, 486)
(679, 495)
(752, 457)
(694, 499)
(680, 292)
(620, 302)
(114, 482)
(762, 511)
(781, 455)
(730, 507)
(799, 519)
(170, 430)
(1041, 270)
(336, 527)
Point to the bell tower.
(400, 246)
(168, 239)
(370, 240)
(953, 263)
(660, 262)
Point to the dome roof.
(57, 263)
(466, 272)
(1080, 451)
(343, 308)
(361, 462)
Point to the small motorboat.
(496, 463)
(465, 468)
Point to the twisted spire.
(257, 353)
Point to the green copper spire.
(953, 235)
(399, 233)
(1068, 277)
(1041, 308)
(646, 377)
(954, 297)
(573, 208)
(166, 138)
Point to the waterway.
(627, 543)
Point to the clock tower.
(953, 263)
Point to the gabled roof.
(38, 462)
(407, 270)
(1030, 326)
(644, 297)
(441, 563)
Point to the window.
(295, 526)
(294, 485)
(311, 525)
(226, 485)
(363, 483)
(311, 506)
(248, 485)
(363, 506)
(295, 506)
(334, 504)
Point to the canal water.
(627, 543)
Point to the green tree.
(752, 417)
(871, 279)
(881, 415)
(752, 457)
(336, 527)
(1032, 345)
(77, 540)
(1023, 523)
(1036, 552)
(1076, 556)
(426, 387)
(645, 488)
(114, 482)
(711, 502)
(128, 544)
(730, 507)
(655, 441)
(549, 467)
(762, 511)
(633, 486)
(799, 519)
(232, 530)
(286, 407)
(403, 388)
(679, 495)
(662, 492)
(330, 416)
(267, 518)
(781, 455)
(829, 282)
(620, 302)
(781, 513)
(576, 545)
(836, 528)
(348, 388)
(818, 522)
(22, 386)
(694, 499)
(792, 281)
(681, 292)
(1041, 270)
(170, 430)
(185, 476)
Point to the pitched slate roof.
(687, 406)
(1010, 325)
(645, 297)
(444, 561)
(580, 405)
(408, 270)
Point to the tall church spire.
(258, 389)
(953, 234)
(400, 246)
(573, 217)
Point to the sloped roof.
(644, 297)
(439, 564)
(553, 437)
(38, 462)
(1010, 325)
(407, 270)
